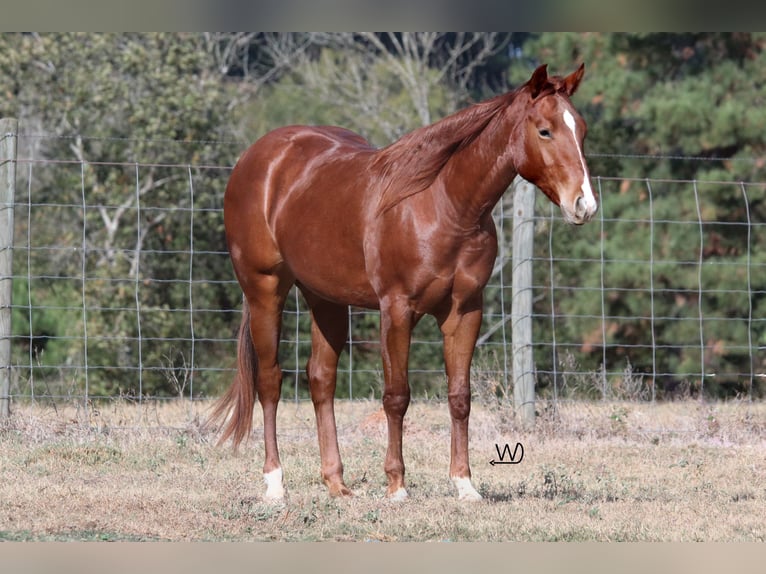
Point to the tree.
(682, 109)
(111, 102)
(383, 85)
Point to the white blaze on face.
(587, 191)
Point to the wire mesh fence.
(674, 301)
(122, 287)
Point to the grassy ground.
(591, 471)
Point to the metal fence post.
(8, 130)
(521, 305)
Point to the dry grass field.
(680, 471)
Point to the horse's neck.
(477, 175)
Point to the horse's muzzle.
(585, 207)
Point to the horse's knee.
(460, 404)
(396, 403)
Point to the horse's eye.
(545, 133)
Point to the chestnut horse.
(406, 229)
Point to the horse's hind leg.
(329, 329)
(266, 297)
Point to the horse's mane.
(411, 164)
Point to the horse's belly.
(329, 263)
(358, 294)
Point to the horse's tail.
(235, 408)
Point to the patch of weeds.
(685, 462)
(711, 424)
(550, 485)
(74, 536)
(10, 433)
(580, 535)
(489, 390)
(578, 383)
(317, 509)
(182, 440)
(619, 420)
(742, 496)
(309, 515)
(199, 459)
(487, 386)
(186, 439)
(494, 495)
(98, 536)
(88, 455)
(152, 462)
(548, 417)
(575, 534)
(630, 387)
(752, 424)
(558, 484)
(17, 536)
(609, 489)
(264, 512)
(250, 509)
(372, 516)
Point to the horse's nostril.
(583, 209)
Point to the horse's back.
(299, 144)
(294, 156)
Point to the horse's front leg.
(396, 323)
(460, 330)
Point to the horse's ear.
(572, 81)
(538, 80)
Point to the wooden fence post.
(8, 130)
(521, 305)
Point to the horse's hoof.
(399, 495)
(275, 490)
(465, 490)
(470, 497)
(273, 498)
(340, 490)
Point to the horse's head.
(552, 134)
